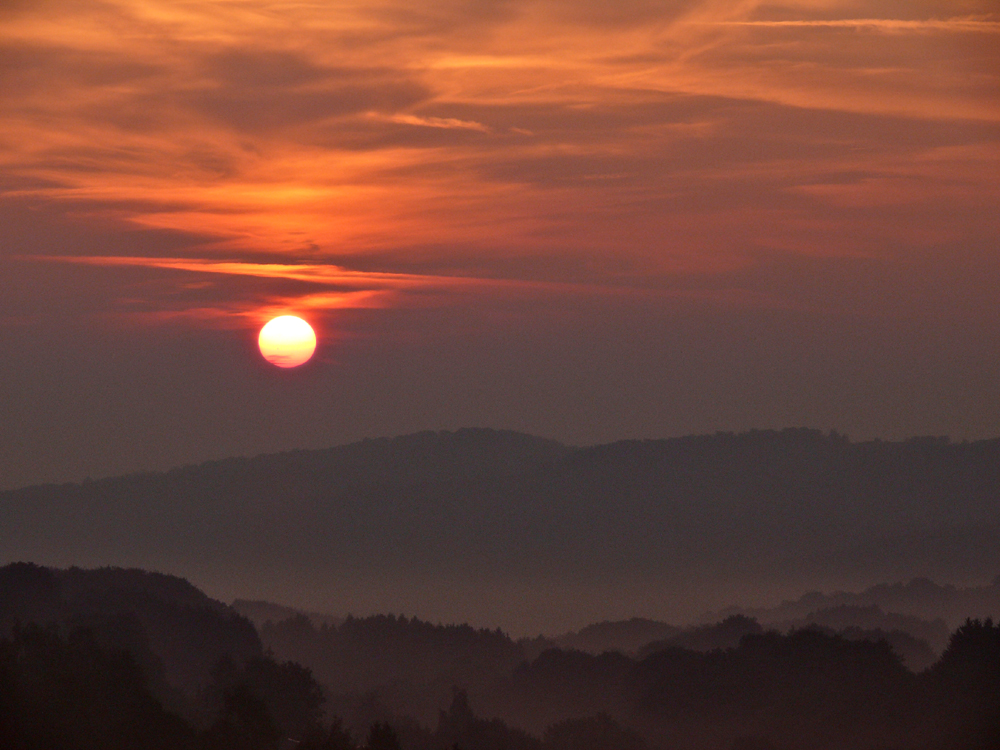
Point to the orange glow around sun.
(392, 155)
(287, 341)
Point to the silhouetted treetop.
(67, 692)
(626, 636)
(599, 732)
(160, 618)
(730, 686)
(364, 653)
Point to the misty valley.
(445, 375)
(123, 658)
(99, 651)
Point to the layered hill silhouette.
(917, 598)
(176, 631)
(123, 658)
(482, 524)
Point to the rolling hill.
(497, 527)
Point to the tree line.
(124, 659)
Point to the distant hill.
(915, 652)
(84, 656)
(934, 633)
(920, 606)
(625, 636)
(720, 635)
(260, 613)
(503, 528)
(176, 632)
(414, 665)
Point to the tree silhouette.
(243, 723)
(966, 685)
(334, 738)
(382, 736)
(971, 663)
(599, 732)
(69, 693)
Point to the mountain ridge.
(448, 524)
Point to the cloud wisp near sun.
(677, 137)
(587, 220)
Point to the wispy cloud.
(980, 25)
(431, 122)
(538, 142)
(339, 288)
(317, 274)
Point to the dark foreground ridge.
(446, 510)
(126, 659)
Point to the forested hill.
(454, 507)
(87, 660)
(919, 597)
(174, 630)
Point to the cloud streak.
(968, 24)
(637, 146)
(584, 219)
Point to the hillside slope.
(498, 527)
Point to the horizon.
(140, 471)
(705, 618)
(661, 306)
(500, 527)
(753, 610)
(587, 222)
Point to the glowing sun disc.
(287, 341)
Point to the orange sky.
(498, 162)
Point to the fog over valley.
(503, 529)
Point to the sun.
(287, 341)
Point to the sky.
(584, 220)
